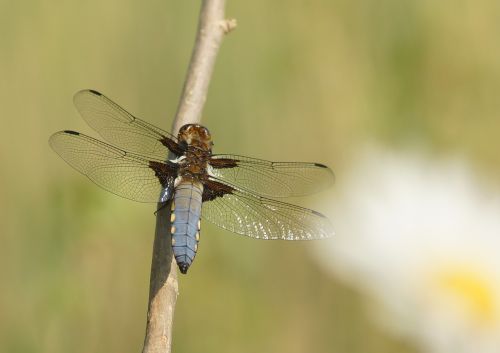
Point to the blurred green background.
(297, 80)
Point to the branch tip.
(229, 25)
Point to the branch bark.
(164, 289)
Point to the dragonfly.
(144, 163)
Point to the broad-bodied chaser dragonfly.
(148, 164)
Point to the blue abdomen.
(186, 215)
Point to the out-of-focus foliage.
(297, 80)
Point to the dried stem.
(212, 27)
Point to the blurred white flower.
(422, 238)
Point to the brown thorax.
(199, 144)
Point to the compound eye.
(184, 128)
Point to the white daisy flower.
(422, 238)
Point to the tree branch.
(164, 287)
(211, 29)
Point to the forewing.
(258, 217)
(125, 174)
(121, 128)
(272, 179)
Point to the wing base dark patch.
(173, 146)
(213, 189)
(221, 163)
(164, 172)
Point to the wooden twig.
(163, 291)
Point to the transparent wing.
(273, 179)
(258, 217)
(121, 128)
(122, 173)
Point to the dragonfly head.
(196, 135)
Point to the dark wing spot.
(318, 214)
(71, 132)
(320, 165)
(213, 189)
(95, 92)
